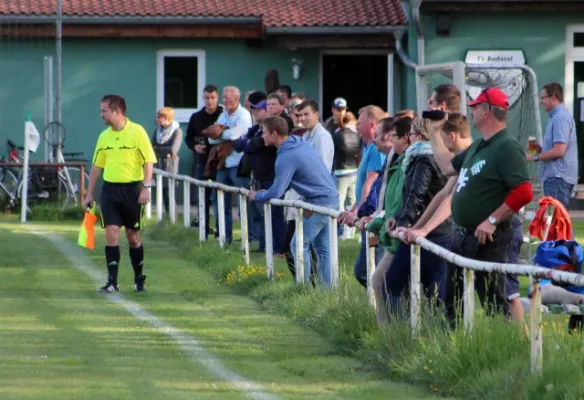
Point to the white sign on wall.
(511, 81)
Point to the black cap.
(255, 97)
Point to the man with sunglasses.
(493, 184)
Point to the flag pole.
(24, 192)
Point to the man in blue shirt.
(370, 167)
(299, 166)
(558, 169)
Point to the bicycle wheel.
(60, 194)
(75, 175)
(55, 134)
(8, 186)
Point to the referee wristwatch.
(536, 158)
(492, 220)
(146, 185)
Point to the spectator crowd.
(422, 175)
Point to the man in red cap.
(493, 184)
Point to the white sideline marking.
(187, 342)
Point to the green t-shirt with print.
(488, 170)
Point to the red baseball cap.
(492, 96)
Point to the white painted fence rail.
(467, 264)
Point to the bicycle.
(44, 184)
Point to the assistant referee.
(125, 155)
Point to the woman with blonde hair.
(166, 141)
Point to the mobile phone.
(435, 115)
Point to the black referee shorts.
(119, 205)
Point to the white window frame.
(182, 115)
(572, 55)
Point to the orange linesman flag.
(87, 232)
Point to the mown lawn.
(60, 339)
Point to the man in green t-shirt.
(492, 185)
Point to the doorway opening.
(362, 79)
(579, 114)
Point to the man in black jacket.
(199, 143)
(260, 160)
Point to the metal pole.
(370, 261)
(148, 210)
(269, 240)
(186, 204)
(334, 257)
(536, 336)
(221, 211)
(48, 101)
(171, 200)
(299, 258)
(24, 193)
(59, 89)
(159, 198)
(202, 220)
(244, 228)
(468, 302)
(415, 289)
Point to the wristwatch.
(147, 185)
(536, 157)
(492, 220)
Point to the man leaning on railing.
(299, 167)
(493, 184)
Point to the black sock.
(112, 259)
(137, 259)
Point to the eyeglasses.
(545, 97)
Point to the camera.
(435, 115)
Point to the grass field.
(191, 336)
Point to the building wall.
(94, 67)
(541, 37)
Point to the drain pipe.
(398, 35)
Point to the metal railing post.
(269, 240)
(202, 220)
(158, 197)
(186, 204)
(415, 289)
(536, 336)
(171, 200)
(221, 211)
(370, 260)
(148, 208)
(299, 259)
(468, 300)
(244, 228)
(334, 256)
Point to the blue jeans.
(360, 267)
(559, 189)
(317, 233)
(228, 176)
(432, 272)
(279, 226)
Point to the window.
(579, 39)
(180, 81)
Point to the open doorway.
(362, 79)
(579, 114)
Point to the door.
(579, 114)
(362, 79)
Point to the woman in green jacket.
(392, 199)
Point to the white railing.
(468, 265)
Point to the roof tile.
(274, 13)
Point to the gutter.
(334, 30)
(130, 20)
(416, 4)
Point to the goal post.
(518, 81)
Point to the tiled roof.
(273, 13)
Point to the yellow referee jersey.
(122, 154)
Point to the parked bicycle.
(44, 183)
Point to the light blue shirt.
(560, 129)
(238, 124)
(372, 160)
(322, 141)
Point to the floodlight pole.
(58, 91)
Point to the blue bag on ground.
(563, 255)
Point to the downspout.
(398, 35)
